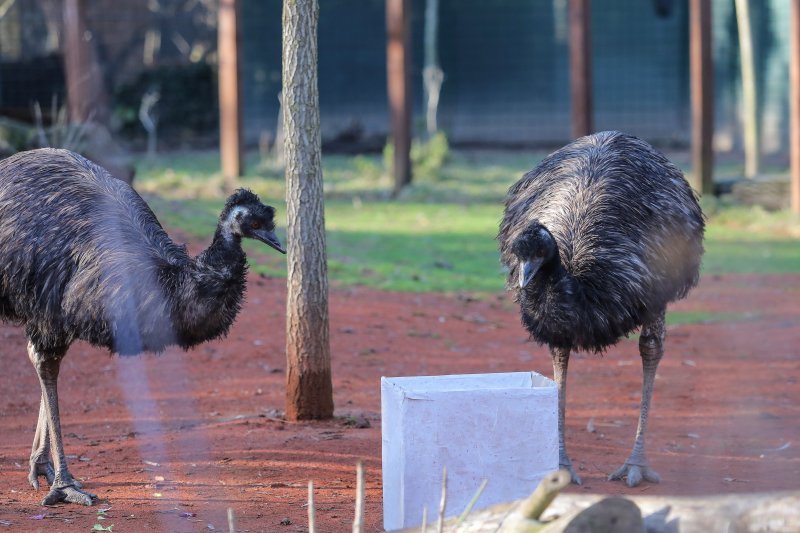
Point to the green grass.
(675, 318)
(439, 236)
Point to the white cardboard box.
(500, 427)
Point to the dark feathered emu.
(82, 256)
(598, 238)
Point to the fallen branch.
(769, 511)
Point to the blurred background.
(505, 65)
(486, 89)
(430, 111)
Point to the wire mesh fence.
(505, 65)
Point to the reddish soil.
(170, 442)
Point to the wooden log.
(767, 511)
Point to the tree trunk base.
(309, 396)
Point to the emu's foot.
(634, 474)
(41, 469)
(69, 494)
(45, 468)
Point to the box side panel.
(508, 437)
(393, 462)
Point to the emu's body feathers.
(598, 238)
(629, 234)
(82, 256)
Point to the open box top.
(462, 382)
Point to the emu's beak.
(528, 269)
(269, 237)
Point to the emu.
(597, 240)
(82, 256)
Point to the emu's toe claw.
(69, 494)
(634, 474)
(42, 469)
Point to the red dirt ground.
(169, 442)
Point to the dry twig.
(358, 521)
(312, 521)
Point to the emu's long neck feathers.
(210, 293)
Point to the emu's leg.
(560, 362)
(40, 462)
(40, 451)
(651, 348)
(63, 487)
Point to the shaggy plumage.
(82, 256)
(598, 239)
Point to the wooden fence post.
(230, 101)
(702, 88)
(580, 54)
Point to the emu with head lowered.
(598, 238)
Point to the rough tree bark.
(309, 393)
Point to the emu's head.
(534, 247)
(245, 216)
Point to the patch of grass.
(440, 236)
(768, 256)
(476, 176)
(196, 175)
(415, 247)
(675, 318)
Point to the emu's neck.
(211, 293)
(552, 285)
(223, 254)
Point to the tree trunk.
(309, 393)
(230, 94)
(398, 49)
(749, 100)
(86, 93)
(580, 54)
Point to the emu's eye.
(255, 224)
